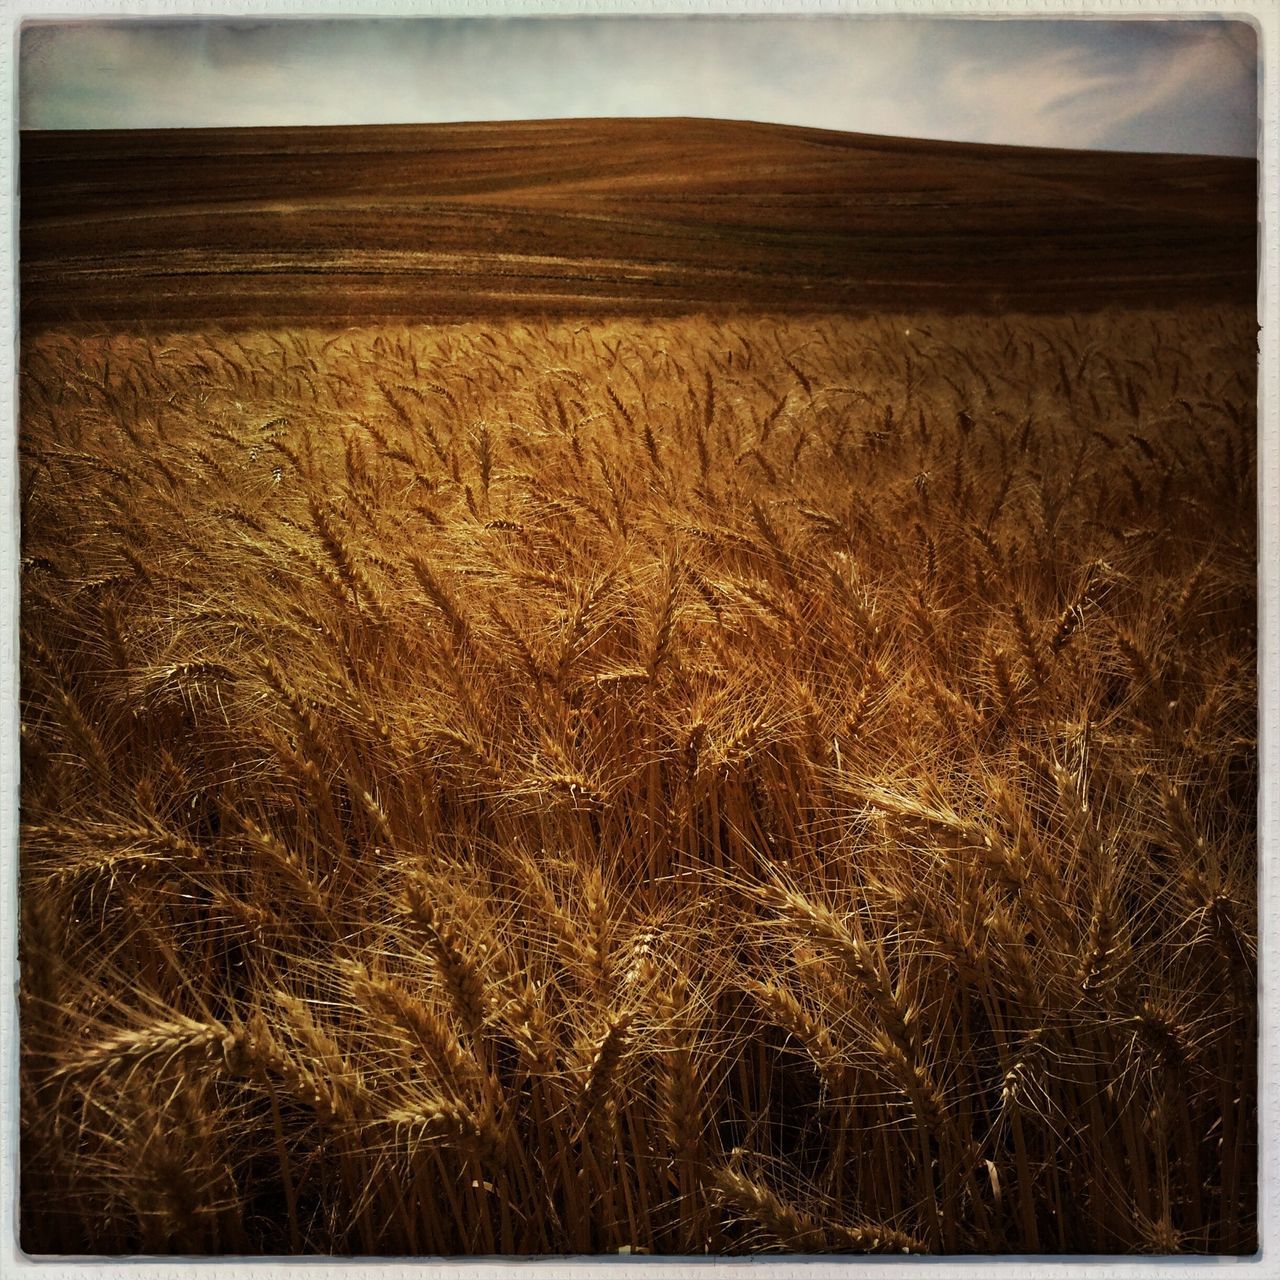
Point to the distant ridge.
(242, 226)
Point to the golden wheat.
(537, 788)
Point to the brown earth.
(595, 216)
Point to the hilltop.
(658, 216)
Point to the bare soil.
(663, 216)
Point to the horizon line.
(638, 119)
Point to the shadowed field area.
(595, 217)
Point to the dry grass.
(679, 786)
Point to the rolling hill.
(659, 216)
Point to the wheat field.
(680, 787)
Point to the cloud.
(1203, 98)
(1089, 95)
(1057, 95)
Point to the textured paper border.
(1264, 15)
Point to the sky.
(1139, 85)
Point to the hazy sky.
(1142, 85)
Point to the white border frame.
(1264, 15)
